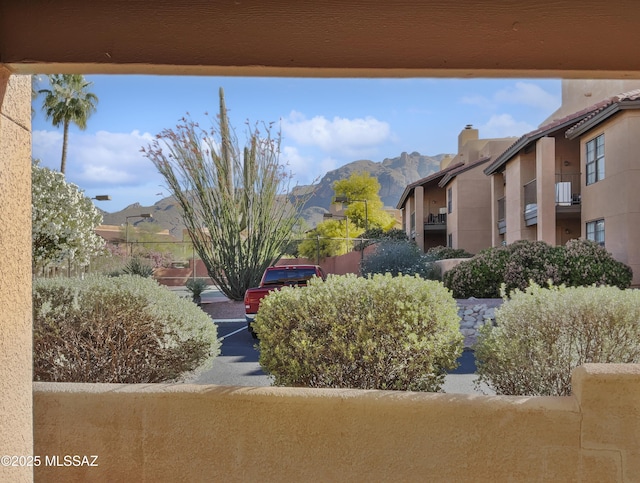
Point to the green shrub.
(479, 277)
(383, 332)
(541, 335)
(397, 257)
(579, 263)
(445, 253)
(377, 234)
(534, 261)
(126, 329)
(587, 263)
(196, 286)
(136, 266)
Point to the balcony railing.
(567, 189)
(436, 219)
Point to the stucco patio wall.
(15, 272)
(217, 433)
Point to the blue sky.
(325, 123)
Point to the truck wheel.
(251, 331)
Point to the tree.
(68, 101)
(234, 202)
(358, 187)
(63, 220)
(328, 237)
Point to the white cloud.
(340, 136)
(102, 159)
(301, 167)
(305, 169)
(528, 94)
(504, 125)
(522, 94)
(478, 101)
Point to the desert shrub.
(587, 263)
(480, 276)
(445, 253)
(383, 332)
(397, 257)
(126, 329)
(542, 334)
(138, 266)
(377, 234)
(196, 286)
(528, 261)
(579, 263)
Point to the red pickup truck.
(273, 279)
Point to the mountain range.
(393, 174)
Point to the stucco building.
(562, 181)
(452, 206)
(558, 182)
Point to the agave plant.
(196, 286)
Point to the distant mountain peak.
(393, 174)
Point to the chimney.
(445, 161)
(467, 134)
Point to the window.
(595, 231)
(595, 159)
(449, 201)
(450, 240)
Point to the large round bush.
(542, 334)
(586, 263)
(397, 257)
(479, 277)
(579, 263)
(124, 329)
(444, 253)
(383, 332)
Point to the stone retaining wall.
(474, 313)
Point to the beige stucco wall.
(473, 224)
(212, 433)
(15, 274)
(615, 198)
(419, 210)
(546, 189)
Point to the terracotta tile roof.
(542, 131)
(423, 181)
(607, 108)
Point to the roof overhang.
(466, 167)
(591, 122)
(432, 178)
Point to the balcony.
(502, 221)
(530, 203)
(436, 221)
(568, 197)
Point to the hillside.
(393, 175)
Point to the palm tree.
(68, 101)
